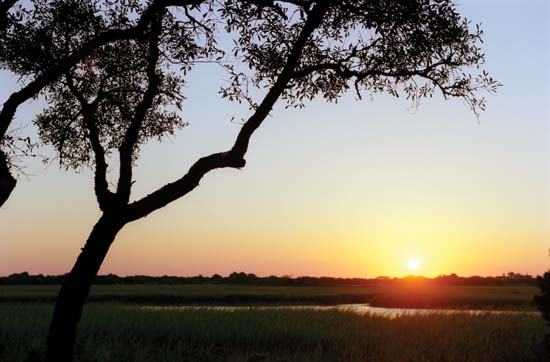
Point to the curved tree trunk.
(73, 293)
(7, 182)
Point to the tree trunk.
(7, 182)
(75, 289)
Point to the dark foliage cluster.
(411, 47)
(542, 300)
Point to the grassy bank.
(111, 332)
(408, 295)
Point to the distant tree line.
(242, 278)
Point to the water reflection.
(361, 309)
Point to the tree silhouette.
(108, 95)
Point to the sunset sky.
(357, 188)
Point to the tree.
(127, 90)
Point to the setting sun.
(413, 264)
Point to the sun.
(413, 264)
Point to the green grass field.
(408, 295)
(114, 333)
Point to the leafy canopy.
(130, 89)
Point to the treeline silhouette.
(241, 278)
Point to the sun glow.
(413, 264)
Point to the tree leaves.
(412, 48)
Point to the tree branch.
(233, 158)
(127, 147)
(7, 181)
(347, 73)
(101, 187)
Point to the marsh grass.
(111, 332)
(412, 295)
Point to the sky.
(354, 189)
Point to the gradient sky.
(353, 189)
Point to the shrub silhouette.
(542, 301)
